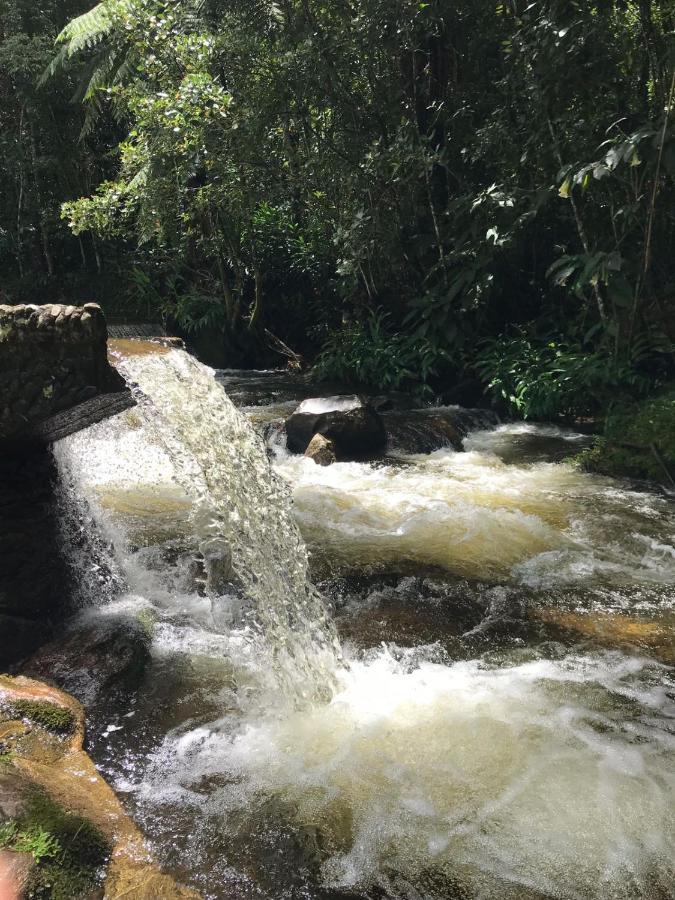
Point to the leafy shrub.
(369, 353)
(638, 441)
(41, 844)
(545, 380)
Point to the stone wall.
(52, 358)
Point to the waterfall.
(241, 514)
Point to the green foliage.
(43, 164)
(48, 715)
(34, 840)
(638, 441)
(84, 32)
(540, 380)
(439, 173)
(69, 851)
(368, 354)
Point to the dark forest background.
(403, 194)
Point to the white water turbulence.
(545, 779)
(527, 773)
(541, 524)
(193, 434)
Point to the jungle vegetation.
(404, 194)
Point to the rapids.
(533, 760)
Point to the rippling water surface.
(501, 713)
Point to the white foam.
(473, 514)
(319, 405)
(551, 775)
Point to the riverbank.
(638, 441)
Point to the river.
(475, 701)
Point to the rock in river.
(354, 427)
(96, 654)
(321, 450)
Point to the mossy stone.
(54, 718)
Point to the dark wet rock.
(321, 450)
(426, 430)
(461, 616)
(356, 432)
(96, 655)
(506, 616)
(301, 426)
(410, 611)
(217, 566)
(19, 637)
(393, 401)
(421, 431)
(35, 579)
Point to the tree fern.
(113, 61)
(83, 33)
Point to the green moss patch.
(57, 719)
(638, 441)
(69, 852)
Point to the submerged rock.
(321, 450)
(609, 628)
(50, 784)
(217, 566)
(96, 654)
(355, 428)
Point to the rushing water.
(513, 738)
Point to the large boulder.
(354, 428)
(49, 783)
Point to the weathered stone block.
(51, 359)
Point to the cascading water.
(240, 509)
(530, 771)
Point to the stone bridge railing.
(53, 359)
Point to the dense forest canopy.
(409, 193)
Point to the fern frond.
(83, 33)
(54, 66)
(92, 116)
(88, 30)
(140, 179)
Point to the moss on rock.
(57, 808)
(57, 719)
(70, 854)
